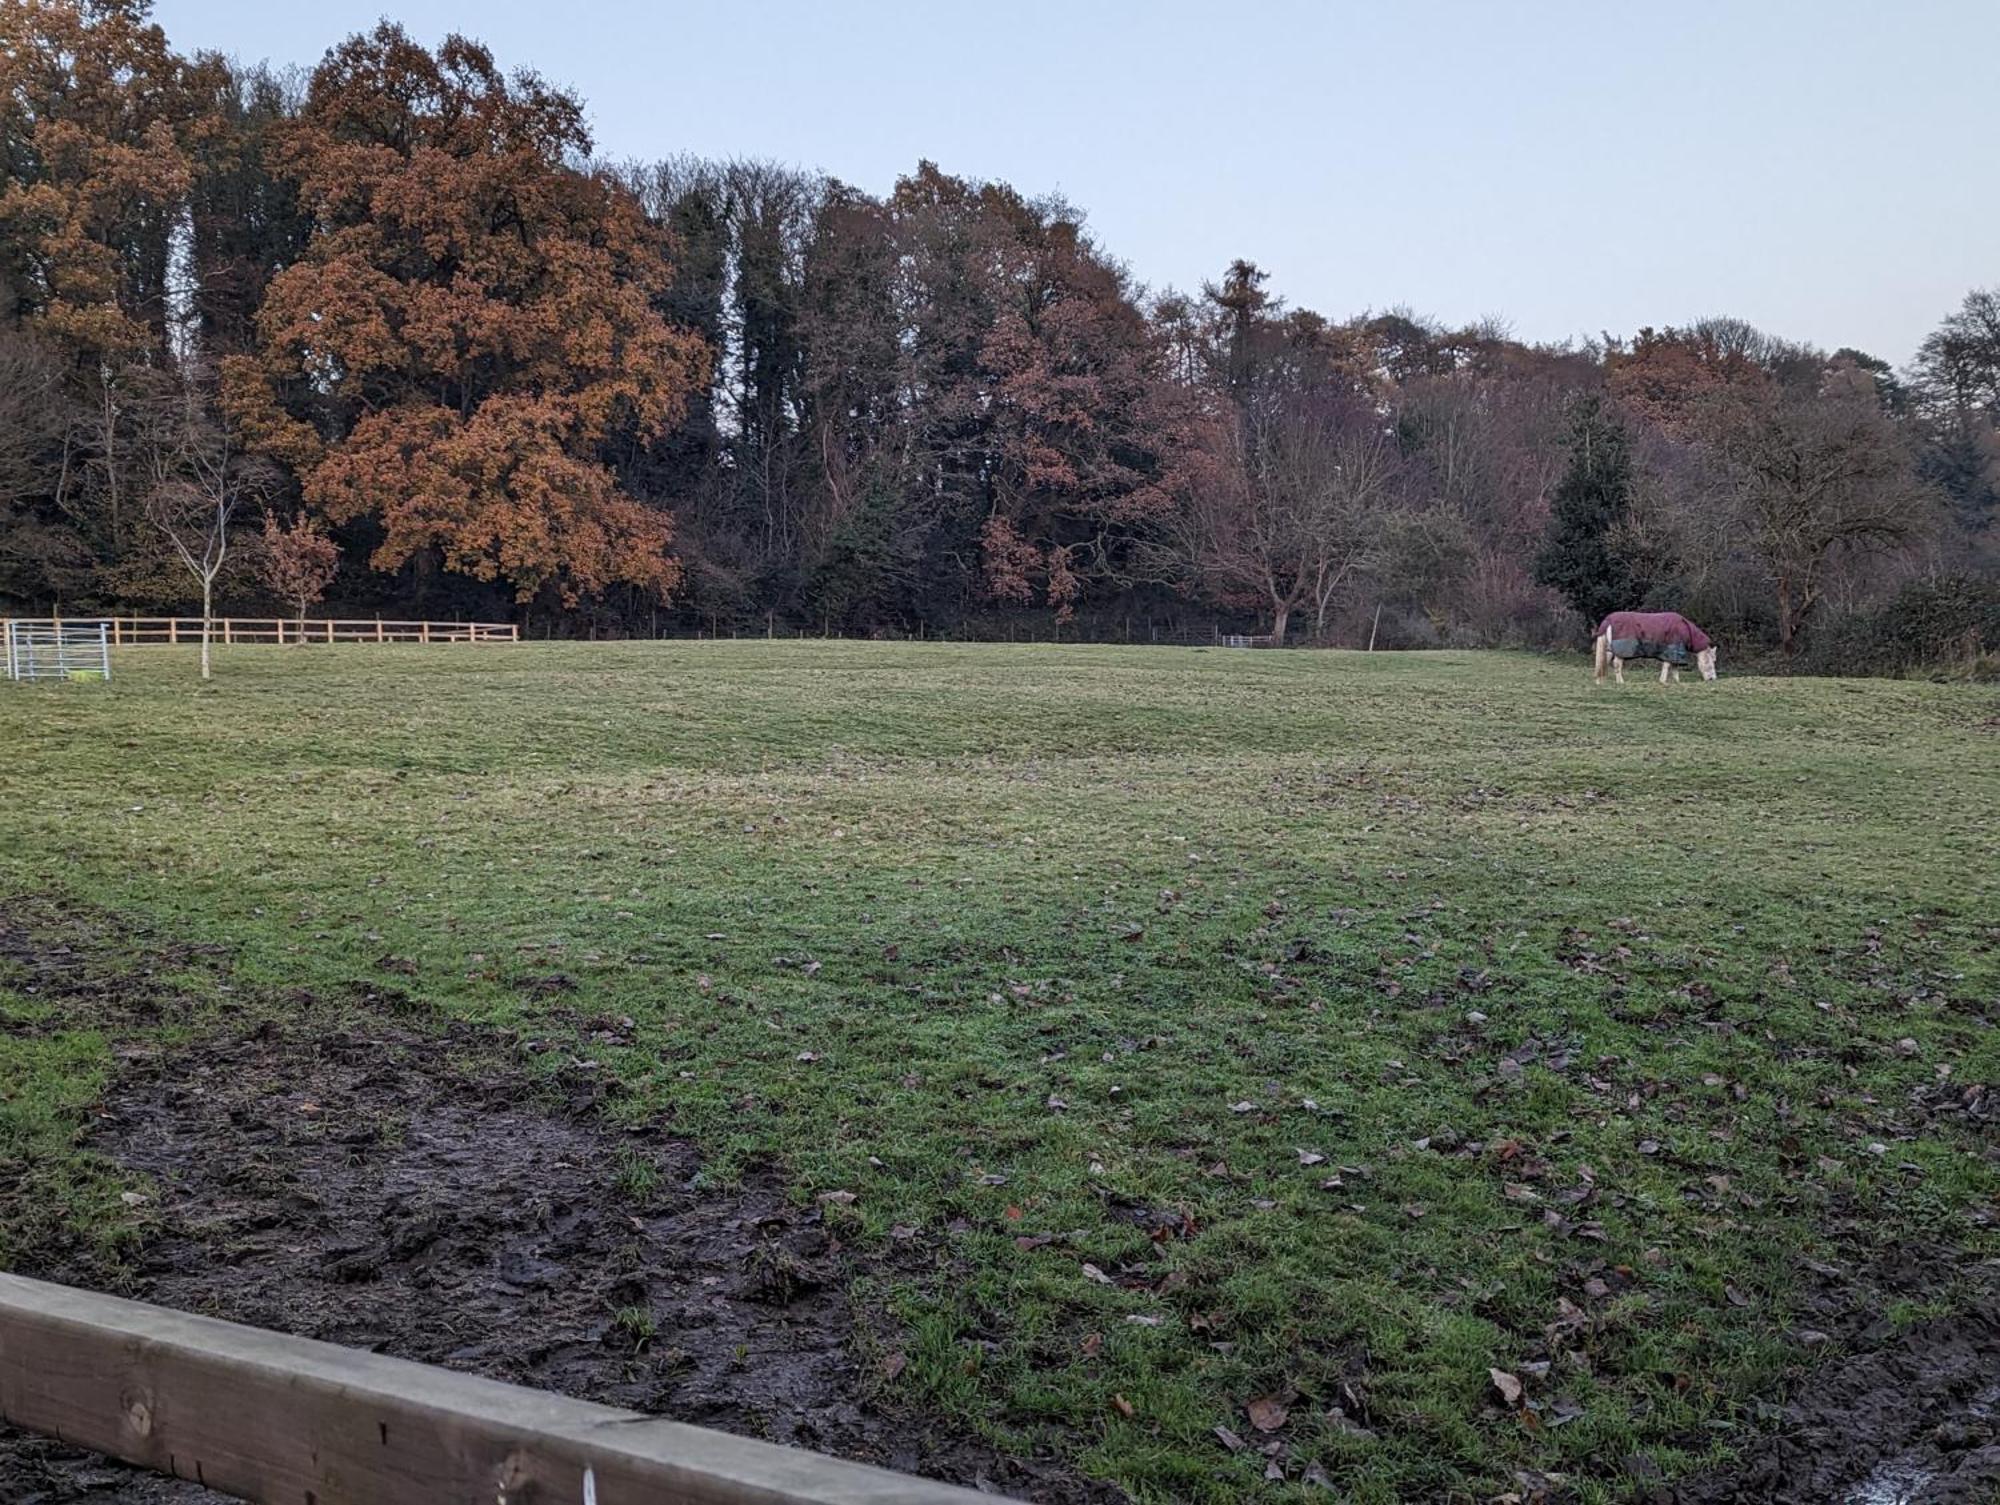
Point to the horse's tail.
(1603, 656)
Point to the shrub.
(1947, 626)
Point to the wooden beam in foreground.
(291, 1421)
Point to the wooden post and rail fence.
(291, 1421)
(136, 632)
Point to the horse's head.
(1705, 661)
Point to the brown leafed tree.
(95, 116)
(472, 328)
(297, 562)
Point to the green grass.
(1585, 996)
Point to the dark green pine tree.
(1578, 559)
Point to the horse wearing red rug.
(1665, 635)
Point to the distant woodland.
(388, 336)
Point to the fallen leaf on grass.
(893, 1365)
(1138, 1320)
(1267, 1413)
(1122, 1406)
(837, 1198)
(1229, 1439)
(1507, 1384)
(1091, 1272)
(1093, 1345)
(1310, 1157)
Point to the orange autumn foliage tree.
(472, 328)
(96, 112)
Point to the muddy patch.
(351, 1178)
(1913, 1422)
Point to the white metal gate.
(52, 649)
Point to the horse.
(1665, 635)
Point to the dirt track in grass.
(347, 1177)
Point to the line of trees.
(388, 332)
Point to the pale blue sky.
(1823, 168)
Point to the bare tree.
(1290, 513)
(1818, 475)
(198, 482)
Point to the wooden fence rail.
(267, 1417)
(132, 632)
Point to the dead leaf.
(837, 1198)
(1267, 1413)
(893, 1365)
(1091, 1272)
(1310, 1157)
(1122, 1405)
(1229, 1439)
(1093, 1345)
(1138, 1320)
(1508, 1385)
(1246, 1106)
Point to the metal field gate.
(53, 649)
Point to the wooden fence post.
(424, 631)
(173, 629)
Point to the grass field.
(1322, 1031)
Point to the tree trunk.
(1281, 614)
(207, 622)
(1786, 626)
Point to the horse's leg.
(1618, 668)
(1600, 651)
(1666, 672)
